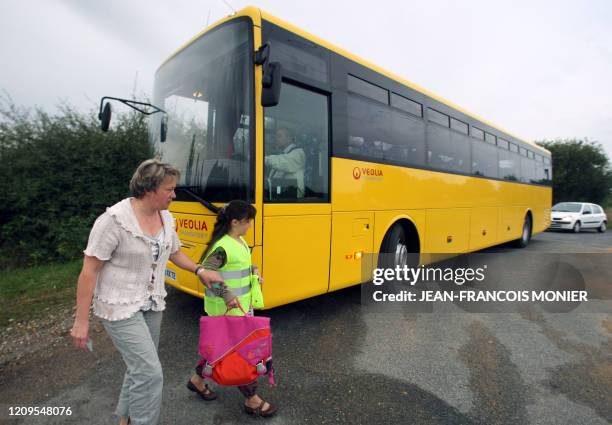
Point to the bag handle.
(227, 309)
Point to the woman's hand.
(85, 290)
(207, 277)
(80, 334)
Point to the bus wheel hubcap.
(401, 254)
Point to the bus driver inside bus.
(288, 164)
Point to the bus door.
(296, 211)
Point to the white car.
(578, 215)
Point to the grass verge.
(33, 292)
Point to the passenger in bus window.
(289, 162)
(123, 273)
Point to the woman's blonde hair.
(149, 176)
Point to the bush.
(57, 174)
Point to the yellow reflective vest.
(236, 273)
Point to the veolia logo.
(364, 171)
(187, 223)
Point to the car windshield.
(206, 89)
(567, 207)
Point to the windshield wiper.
(202, 201)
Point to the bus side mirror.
(105, 112)
(105, 117)
(271, 84)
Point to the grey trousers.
(136, 338)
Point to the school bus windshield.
(207, 91)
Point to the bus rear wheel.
(523, 241)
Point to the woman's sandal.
(207, 394)
(258, 411)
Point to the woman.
(228, 253)
(123, 271)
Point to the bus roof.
(257, 15)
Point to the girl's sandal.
(258, 411)
(207, 394)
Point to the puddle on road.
(500, 393)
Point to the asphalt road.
(337, 362)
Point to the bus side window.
(303, 115)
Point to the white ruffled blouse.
(129, 277)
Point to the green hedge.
(57, 174)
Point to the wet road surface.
(337, 362)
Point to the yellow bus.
(340, 157)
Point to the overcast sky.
(540, 69)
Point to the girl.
(229, 254)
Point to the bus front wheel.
(394, 249)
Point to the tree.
(581, 170)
